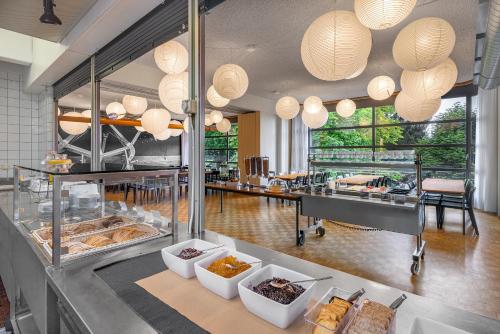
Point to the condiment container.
(185, 268)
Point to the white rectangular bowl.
(224, 287)
(185, 268)
(276, 313)
(428, 326)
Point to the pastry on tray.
(76, 247)
(111, 221)
(373, 318)
(127, 233)
(98, 241)
(84, 228)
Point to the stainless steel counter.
(88, 305)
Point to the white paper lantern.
(313, 105)
(346, 108)
(230, 81)
(115, 110)
(335, 45)
(414, 110)
(139, 128)
(155, 121)
(173, 89)
(432, 83)
(208, 120)
(164, 135)
(135, 105)
(73, 128)
(185, 124)
(360, 70)
(87, 114)
(175, 132)
(215, 99)
(223, 126)
(216, 116)
(172, 57)
(382, 14)
(381, 87)
(423, 44)
(317, 120)
(287, 107)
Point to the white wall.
(16, 48)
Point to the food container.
(278, 314)
(425, 326)
(185, 268)
(312, 314)
(224, 287)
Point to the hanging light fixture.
(431, 83)
(334, 45)
(215, 99)
(87, 114)
(171, 57)
(346, 108)
(48, 15)
(423, 44)
(216, 116)
(164, 135)
(155, 120)
(208, 120)
(173, 89)
(185, 124)
(313, 105)
(287, 107)
(230, 81)
(134, 105)
(139, 128)
(115, 110)
(381, 87)
(415, 110)
(382, 14)
(73, 128)
(175, 132)
(359, 70)
(317, 120)
(223, 126)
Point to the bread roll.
(98, 241)
(127, 233)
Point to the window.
(221, 148)
(443, 141)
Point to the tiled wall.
(24, 132)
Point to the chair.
(318, 178)
(467, 203)
(431, 199)
(326, 176)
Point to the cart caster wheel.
(321, 231)
(423, 255)
(415, 268)
(302, 238)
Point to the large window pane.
(216, 142)
(348, 137)
(425, 134)
(233, 156)
(233, 141)
(442, 157)
(215, 156)
(362, 116)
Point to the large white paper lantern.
(73, 128)
(230, 81)
(313, 105)
(381, 87)
(431, 83)
(135, 105)
(382, 14)
(171, 57)
(415, 110)
(164, 135)
(223, 126)
(215, 99)
(185, 124)
(346, 108)
(335, 45)
(208, 120)
(115, 110)
(317, 120)
(173, 89)
(423, 44)
(175, 132)
(216, 116)
(155, 120)
(360, 70)
(287, 107)
(87, 114)
(139, 128)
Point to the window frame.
(227, 149)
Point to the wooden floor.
(463, 271)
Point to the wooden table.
(444, 186)
(290, 177)
(359, 179)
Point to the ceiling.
(264, 38)
(22, 16)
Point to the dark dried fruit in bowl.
(284, 295)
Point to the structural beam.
(95, 128)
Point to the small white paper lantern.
(173, 89)
(87, 114)
(164, 135)
(216, 116)
(317, 120)
(208, 120)
(230, 81)
(423, 44)
(346, 108)
(334, 45)
(382, 14)
(185, 124)
(359, 70)
(139, 128)
(313, 105)
(73, 128)
(115, 110)
(135, 105)
(155, 121)
(381, 87)
(223, 126)
(287, 107)
(171, 57)
(431, 83)
(215, 99)
(414, 110)
(175, 132)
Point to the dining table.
(359, 179)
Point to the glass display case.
(71, 212)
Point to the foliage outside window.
(221, 148)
